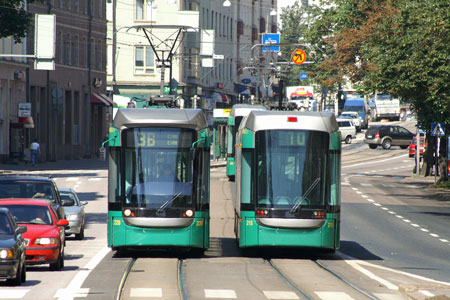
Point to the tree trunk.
(428, 156)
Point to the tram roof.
(267, 120)
(166, 117)
(244, 109)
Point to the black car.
(387, 136)
(36, 187)
(12, 249)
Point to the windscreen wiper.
(305, 196)
(166, 204)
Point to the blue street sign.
(437, 129)
(303, 76)
(271, 38)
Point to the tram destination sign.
(158, 138)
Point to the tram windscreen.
(158, 172)
(290, 166)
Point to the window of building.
(99, 55)
(74, 47)
(100, 8)
(144, 62)
(92, 53)
(76, 5)
(91, 7)
(145, 10)
(68, 4)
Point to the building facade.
(70, 110)
(13, 129)
(212, 76)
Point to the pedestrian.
(35, 150)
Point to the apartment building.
(213, 76)
(13, 128)
(70, 110)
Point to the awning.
(101, 99)
(27, 122)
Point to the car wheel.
(387, 143)
(348, 140)
(24, 272)
(80, 235)
(403, 147)
(58, 264)
(372, 146)
(18, 280)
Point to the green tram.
(238, 112)
(288, 180)
(158, 186)
(220, 121)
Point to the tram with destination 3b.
(238, 112)
(158, 179)
(288, 180)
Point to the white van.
(347, 129)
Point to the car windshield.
(358, 109)
(69, 196)
(27, 189)
(5, 225)
(31, 214)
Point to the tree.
(14, 19)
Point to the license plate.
(369, 136)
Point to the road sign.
(167, 89)
(303, 76)
(218, 56)
(271, 38)
(437, 129)
(298, 56)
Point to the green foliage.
(14, 20)
(399, 47)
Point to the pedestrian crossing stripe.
(13, 293)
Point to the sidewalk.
(82, 164)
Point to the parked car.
(36, 187)
(354, 117)
(74, 209)
(347, 129)
(387, 136)
(12, 249)
(413, 145)
(44, 238)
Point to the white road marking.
(13, 294)
(426, 293)
(146, 292)
(345, 183)
(385, 208)
(376, 204)
(364, 196)
(356, 265)
(359, 193)
(280, 295)
(434, 235)
(415, 225)
(388, 296)
(424, 230)
(72, 290)
(406, 220)
(400, 217)
(95, 179)
(392, 212)
(72, 179)
(388, 185)
(366, 184)
(444, 240)
(222, 294)
(333, 296)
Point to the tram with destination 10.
(288, 180)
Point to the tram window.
(290, 168)
(335, 178)
(114, 175)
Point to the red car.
(44, 238)
(412, 146)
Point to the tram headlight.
(127, 212)
(319, 215)
(189, 213)
(262, 213)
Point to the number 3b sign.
(298, 56)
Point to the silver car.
(74, 209)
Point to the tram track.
(124, 278)
(305, 294)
